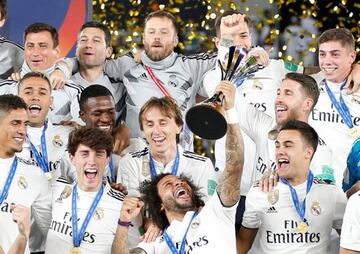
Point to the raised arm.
(229, 183)
(130, 209)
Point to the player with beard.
(164, 72)
(23, 187)
(174, 204)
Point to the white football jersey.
(100, 232)
(28, 188)
(350, 231)
(276, 218)
(211, 231)
(329, 124)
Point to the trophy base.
(206, 122)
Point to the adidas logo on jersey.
(271, 210)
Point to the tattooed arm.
(229, 183)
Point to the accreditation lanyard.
(300, 208)
(340, 105)
(174, 168)
(9, 180)
(170, 243)
(41, 159)
(78, 235)
(111, 168)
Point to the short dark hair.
(34, 74)
(342, 35)
(41, 27)
(104, 28)
(308, 133)
(227, 13)
(308, 85)
(92, 91)
(10, 102)
(150, 195)
(162, 14)
(93, 138)
(3, 9)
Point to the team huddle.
(96, 155)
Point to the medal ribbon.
(9, 180)
(78, 235)
(300, 208)
(42, 159)
(340, 105)
(170, 243)
(174, 168)
(111, 168)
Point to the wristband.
(231, 116)
(124, 223)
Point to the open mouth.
(19, 140)
(90, 173)
(159, 140)
(329, 70)
(34, 109)
(282, 163)
(181, 193)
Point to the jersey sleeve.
(340, 206)
(251, 218)
(128, 174)
(208, 180)
(350, 231)
(41, 207)
(115, 68)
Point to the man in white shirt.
(173, 203)
(337, 113)
(298, 215)
(85, 213)
(22, 186)
(161, 121)
(46, 143)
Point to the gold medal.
(354, 132)
(315, 208)
(57, 141)
(48, 175)
(273, 197)
(22, 183)
(75, 250)
(302, 227)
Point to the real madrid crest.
(57, 141)
(195, 223)
(315, 208)
(99, 213)
(273, 197)
(22, 183)
(257, 84)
